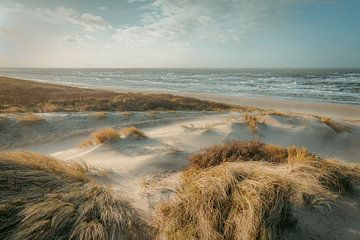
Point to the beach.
(140, 143)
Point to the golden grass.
(126, 114)
(101, 136)
(152, 114)
(133, 131)
(249, 190)
(100, 115)
(29, 118)
(333, 125)
(43, 198)
(251, 122)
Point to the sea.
(322, 85)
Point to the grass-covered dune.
(247, 190)
(43, 198)
(238, 190)
(27, 96)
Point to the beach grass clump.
(44, 198)
(104, 135)
(237, 151)
(126, 114)
(251, 121)
(333, 174)
(29, 118)
(236, 201)
(133, 131)
(100, 115)
(247, 190)
(101, 136)
(337, 127)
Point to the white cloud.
(174, 22)
(132, 1)
(166, 35)
(86, 21)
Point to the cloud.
(176, 22)
(86, 21)
(132, 1)
(60, 15)
(166, 33)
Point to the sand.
(148, 169)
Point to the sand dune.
(149, 168)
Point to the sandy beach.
(140, 145)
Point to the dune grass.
(126, 114)
(100, 115)
(251, 121)
(101, 136)
(337, 127)
(43, 198)
(29, 118)
(247, 190)
(133, 131)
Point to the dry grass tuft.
(104, 135)
(251, 122)
(126, 114)
(43, 198)
(333, 174)
(133, 131)
(247, 191)
(29, 118)
(100, 115)
(237, 151)
(333, 125)
(101, 136)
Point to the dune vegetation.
(247, 190)
(27, 96)
(101, 136)
(108, 134)
(43, 198)
(100, 115)
(29, 118)
(337, 127)
(133, 131)
(251, 121)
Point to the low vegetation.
(133, 132)
(247, 190)
(126, 114)
(108, 134)
(101, 136)
(100, 115)
(251, 121)
(26, 96)
(29, 118)
(43, 198)
(337, 127)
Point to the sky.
(180, 33)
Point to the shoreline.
(339, 110)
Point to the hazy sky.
(180, 33)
